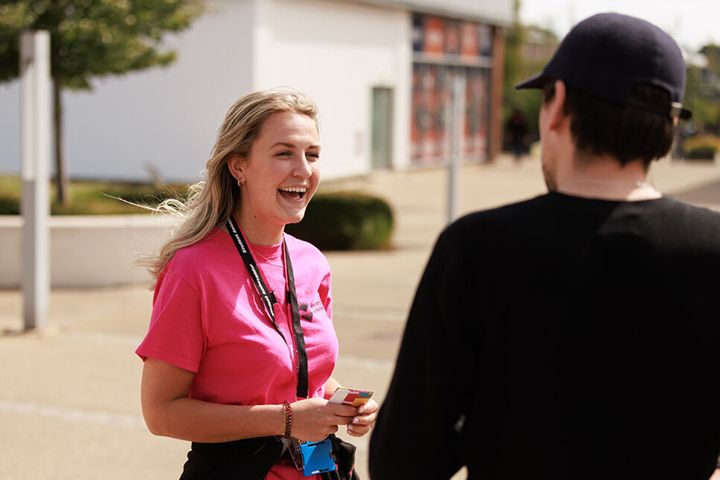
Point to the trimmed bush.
(703, 152)
(333, 221)
(9, 205)
(346, 221)
(701, 147)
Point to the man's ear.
(237, 164)
(556, 107)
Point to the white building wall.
(336, 52)
(164, 117)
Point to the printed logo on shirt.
(306, 311)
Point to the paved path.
(69, 397)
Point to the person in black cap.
(573, 335)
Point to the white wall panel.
(336, 52)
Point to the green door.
(382, 117)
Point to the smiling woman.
(280, 176)
(233, 360)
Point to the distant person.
(575, 335)
(517, 129)
(238, 363)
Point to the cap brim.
(678, 111)
(536, 81)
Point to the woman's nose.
(302, 168)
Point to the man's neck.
(605, 178)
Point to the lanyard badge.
(317, 457)
(268, 298)
(312, 458)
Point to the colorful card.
(349, 396)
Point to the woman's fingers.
(367, 414)
(364, 420)
(358, 430)
(343, 414)
(371, 406)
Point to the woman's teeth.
(294, 192)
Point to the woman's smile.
(292, 193)
(281, 175)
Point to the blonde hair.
(211, 202)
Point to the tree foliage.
(88, 39)
(94, 38)
(702, 91)
(528, 48)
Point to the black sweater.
(561, 338)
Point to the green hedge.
(704, 152)
(9, 205)
(89, 197)
(333, 221)
(701, 147)
(346, 221)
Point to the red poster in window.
(476, 114)
(452, 37)
(430, 103)
(469, 40)
(434, 35)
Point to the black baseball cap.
(609, 54)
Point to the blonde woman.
(241, 348)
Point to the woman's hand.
(364, 420)
(314, 418)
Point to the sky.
(693, 23)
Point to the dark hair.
(603, 127)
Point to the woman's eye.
(313, 156)
(283, 154)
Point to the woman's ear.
(237, 164)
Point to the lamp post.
(35, 143)
(455, 133)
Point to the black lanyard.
(268, 298)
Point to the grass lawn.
(92, 197)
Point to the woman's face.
(280, 175)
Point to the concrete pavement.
(69, 396)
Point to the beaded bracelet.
(288, 417)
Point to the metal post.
(457, 125)
(35, 133)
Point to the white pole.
(35, 134)
(457, 126)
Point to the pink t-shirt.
(209, 319)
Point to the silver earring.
(240, 183)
